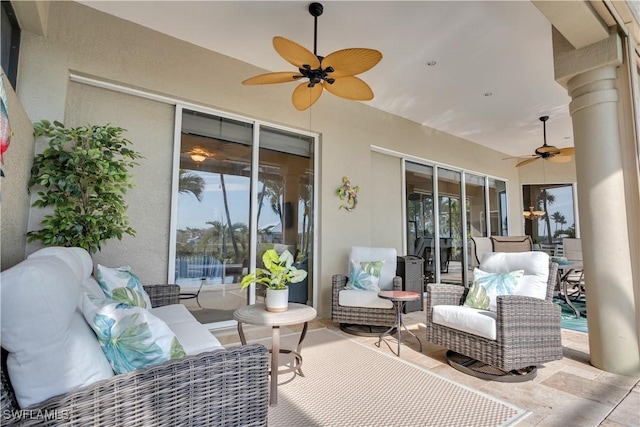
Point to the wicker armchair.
(222, 388)
(527, 328)
(352, 315)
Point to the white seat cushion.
(466, 319)
(193, 336)
(361, 298)
(173, 313)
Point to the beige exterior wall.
(14, 202)
(87, 42)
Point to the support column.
(613, 338)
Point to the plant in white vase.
(278, 271)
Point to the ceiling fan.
(547, 152)
(335, 72)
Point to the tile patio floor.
(567, 392)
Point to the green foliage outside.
(83, 174)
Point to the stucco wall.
(84, 41)
(14, 199)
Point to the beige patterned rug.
(348, 383)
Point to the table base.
(275, 352)
(363, 330)
(470, 366)
(399, 305)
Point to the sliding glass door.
(452, 257)
(469, 205)
(242, 188)
(285, 201)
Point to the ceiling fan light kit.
(199, 154)
(548, 152)
(335, 72)
(533, 214)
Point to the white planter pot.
(277, 300)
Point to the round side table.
(257, 314)
(399, 298)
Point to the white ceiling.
(502, 47)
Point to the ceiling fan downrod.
(315, 9)
(318, 75)
(544, 119)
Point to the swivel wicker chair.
(363, 307)
(523, 331)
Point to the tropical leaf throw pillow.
(121, 285)
(364, 275)
(131, 337)
(487, 286)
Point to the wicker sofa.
(221, 387)
(527, 328)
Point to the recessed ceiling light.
(488, 94)
(431, 63)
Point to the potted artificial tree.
(278, 272)
(85, 173)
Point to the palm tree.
(556, 217)
(226, 210)
(189, 182)
(545, 199)
(215, 233)
(306, 197)
(273, 191)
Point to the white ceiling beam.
(576, 20)
(32, 15)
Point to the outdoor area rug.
(569, 320)
(348, 383)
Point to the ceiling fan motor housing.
(316, 9)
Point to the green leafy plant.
(278, 271)
(84, 173)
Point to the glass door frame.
(253, 222)
(436, 208)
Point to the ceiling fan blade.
(559, 159)
(295, 54)
(519, 157)
(350, 88)
(349, 62)
(526, 162)
(305, 96)
(569, 151)
(269, 78)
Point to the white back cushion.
(389, 255)
(80, 262)
(77, 258)
(51, 348)
(535, 265)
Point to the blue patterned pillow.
(120, 284)
(365, 275)
(487, 286)
(131, 337)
